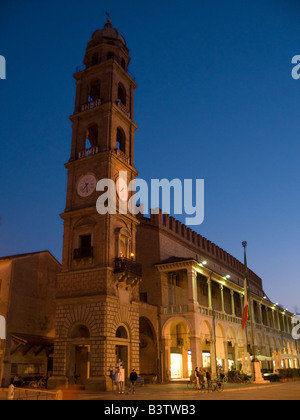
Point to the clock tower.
(97, 313)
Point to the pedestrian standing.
(120, 378)
(133, 378)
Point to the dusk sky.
(215, 101)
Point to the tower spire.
(108, 22)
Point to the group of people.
(119, 379)
(200, 375)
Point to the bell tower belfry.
(97, 313)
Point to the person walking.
(201, 377)
(208, 378)
(133, 378)
(196, 374)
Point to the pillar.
(209, 293)
(226, 356)
(195, 344)
(232, 302)
(260, 313)
(222, 297)
(192, 286)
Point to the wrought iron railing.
(124, 265)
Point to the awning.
(31, 342)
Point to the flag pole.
(250, 308)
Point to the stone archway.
(148, 350)
(79, 347)
(177, 357)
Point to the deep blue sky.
(215, 100)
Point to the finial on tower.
(108, 17)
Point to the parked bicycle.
(38, 384)
(211, 386)
(236, 377)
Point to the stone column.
(236, 353)
(278, 321)
(260, 313)
(226, 356)
(222, 297)
(213, 358)
(242, 303)
(209, 293)
(283, 322)
(232, 302)
(252, 317)
(195, 344)
(166, 363)
(192, 287)
(273, 317)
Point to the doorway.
(82, 364)
(122, 355)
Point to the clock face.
(122, 189)
(86, 185)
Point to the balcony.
(126, 266)
(82, 253)
(88, 152)
(91, 105)
(122, 155)
(123, 108)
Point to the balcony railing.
(91, 105)
(176, 309)
(124, 265)
(80, 253)
(88, 152)
(123, 108)
(122, 155)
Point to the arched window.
(94, 93)
(92, 136)
(110, 55)
(121, 333)
(79, 331)
(123, 64)
(121, 140)
(122, 94)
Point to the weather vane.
(108, 15)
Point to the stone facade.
(27, 301)
(199, 290)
